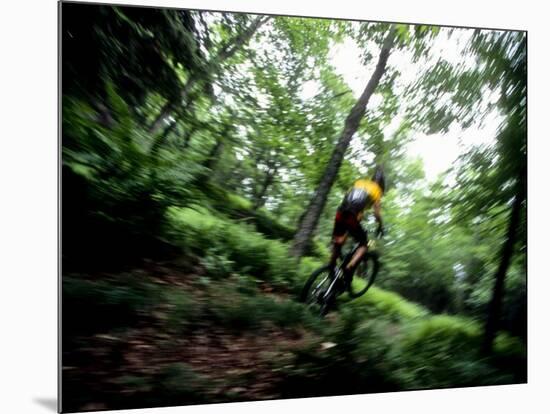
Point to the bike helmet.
(379, 178)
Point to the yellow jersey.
(371, 188)
(362, 195)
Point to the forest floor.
(172, 333)
(231, 364)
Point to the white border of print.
(28, 226)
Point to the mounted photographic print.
(259, 207)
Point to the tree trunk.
(154, 153)
(493, 316)
(213, 156)
(313, 212)
(161, 139)
(187, 137)
(215, 152)
(269, 178)
(104, 116)
(170, 105)
(226, 51)
(186, 141)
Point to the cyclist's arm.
(378, 217)
(377, 213)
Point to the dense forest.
(204, 156)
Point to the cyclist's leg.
(339, 236)
(361, 236)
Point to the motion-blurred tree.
(138, 52)
(497, 177)
(310, 218)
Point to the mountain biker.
(364, 194)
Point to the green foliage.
(235, 304)
(443, 351)
(139, 51)
(227, 176)
(96, 305)
(174, 384)
(245, 312)
(115, 185)
(178, 382)
(373, 355)
(243, 249)
(182, 309)
(241, 209)
(381, 303)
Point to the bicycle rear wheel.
(313, 292)
(364, 275)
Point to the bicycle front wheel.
(364, 275)
(315, 289)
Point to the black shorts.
(346, 222)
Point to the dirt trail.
(240, 365)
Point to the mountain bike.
(323, 286)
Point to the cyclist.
(364, 194)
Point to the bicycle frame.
(324, 297)
(339, 271)
(336, 278)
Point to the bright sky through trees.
(437, 151)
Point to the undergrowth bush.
(174, 384)
(444, 351)
(226, 246)
(93, 305)
(348, 358)
(228, 306)
(381, 303)
(365, 355)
